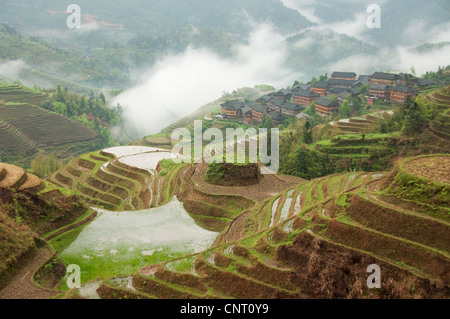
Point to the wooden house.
(320, 88)
(304, 97)
(399, 93)
(379, 91)
(325, 106)
(257, 111)
(349, 76)
(390, 79)
(291, 109)
(232, 109)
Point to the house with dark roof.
(356, 90)
(283, 94)
(344, 95)
(306, 86)
(291, 109)
(304, 97)
(424, 83)
(351, 76)
(246, 114)
(325, 106)
(343, 84)
(257, 111)
(336, 91)
(277, 117)
(232, 109)
(384, 78)
(364, 79)
(320, 88)
(264, 99)
(405, 78)
(399, 93)
(275, 104)
(379, 91)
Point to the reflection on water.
(119, 243)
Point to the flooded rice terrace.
(120, 243)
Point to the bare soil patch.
(14, 174)
(32, 182)
(434, 168)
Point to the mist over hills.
(143, 17)
(399, 19)
(358, 178)
(215, 46)
(126, 36)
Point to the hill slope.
(26, 128)
(317, 240)
(30, 209)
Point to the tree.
(344, 110)
(413, 117)
(363, 89)
(266, 122)
(43, 165)
(307, 133)
(119, 108)
(102, 97)
(60, 108)
(332, 97)
(311, 110)
(59, 94)
(323, 78)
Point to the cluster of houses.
(289, 103)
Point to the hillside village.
(327, 96)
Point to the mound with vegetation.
(229, 174)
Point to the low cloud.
(11, 69)
(353, 27)
(418, 32)
(179, 84)
(399, 59)
(304, 8)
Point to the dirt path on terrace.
(21, 286)
(269, 186)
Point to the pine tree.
(307, 133)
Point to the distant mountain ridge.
(119, 37)
(154, 16)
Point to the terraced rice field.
(146, 161)
(120, 243)
(294, 244)
(355, 145)
(440, 101)
(25, 126)
(120, 151)
(361, 124)
(338, 226)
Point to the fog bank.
(179, 84)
